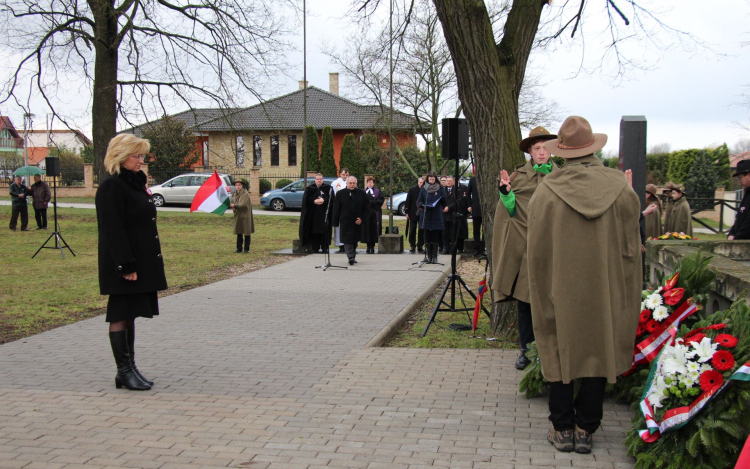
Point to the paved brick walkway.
(268, 370)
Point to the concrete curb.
(397, 322)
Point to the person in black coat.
(741, 227)
(315, 219)
(350, 208)
(131, 267)
(461, 216)
(449, 215)
(432, 203)
(475, 209)
(19, 206)
(373, 225)
(416, 234)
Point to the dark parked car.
(289, 196)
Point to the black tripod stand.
(327, 249)
(59, 240)
(453, 283)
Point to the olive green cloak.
(584, 258)
(509, 272)
(243, 213)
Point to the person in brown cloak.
(667, 191)
(680, 218)
(653, 219)
(509, 272)
(584, 261)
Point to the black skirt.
(129, 307)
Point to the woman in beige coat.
(243, 216)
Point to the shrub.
(283, 182)
(264, 185)
(310, 149)
(350, 156)
(657, 165)
(327, 159)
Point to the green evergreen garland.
(327, 159)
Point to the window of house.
(240, 149)
(205, 153)
(257, 153)
(292, 150)
(274, 150)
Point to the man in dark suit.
(449, 214)
(476, 216)
(416, 235)
(350, 209)
(741, 227)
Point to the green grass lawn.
(48, 291)
(440, 335)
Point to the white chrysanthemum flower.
(703, 350)
(653, 301)
(692, 367)
(661, 313)
(705, 367)
(689, 379)
(695, 375)
(643, 305)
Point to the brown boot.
(583, 441)
(563, 441)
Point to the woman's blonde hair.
(120, 148)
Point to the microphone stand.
(327, 253)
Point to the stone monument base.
(391, 244)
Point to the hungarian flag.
(212, 196)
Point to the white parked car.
(182, 189)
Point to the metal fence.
(161, 175)
(71, 175)
(275, 181)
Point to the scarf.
(543, 168)
(431, 188)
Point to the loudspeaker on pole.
(455, 139)
(52, 165)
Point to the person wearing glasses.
(131, 266)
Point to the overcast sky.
(690, 98)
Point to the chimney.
(302, 84)
(333, 83)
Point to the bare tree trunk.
(104, 106)
(489, 79)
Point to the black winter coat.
(412, 209)
(346, 209)
(128, 238)
(313, 217)
(15, 190)
(373, 224)
(741, 227)
(450, 202)
(473, 193)
(432, 217)
(461, 193)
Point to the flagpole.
(304, 91)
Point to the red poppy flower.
(645, 316)
(726, 340)
(722, 360)
(710, 379)
(716, 327)
(693, 332)
(695, 338)
(651, 326)
(674, 296)
(669, 284)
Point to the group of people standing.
(677, 216)
(19, 193)
(567, 248)
(354, 214)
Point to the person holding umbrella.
(19, 206)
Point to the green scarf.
(543, 168)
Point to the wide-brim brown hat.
(651, 189)
(536, 134)
(678, 187)
(668, 186)
(576, 139)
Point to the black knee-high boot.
(239, 243)
(131, 348)
(125, 375)
(247, 243)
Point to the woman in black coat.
(131, 267)
(432, 200)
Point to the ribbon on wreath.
(676, 418)
(650, 347)
(478, 304)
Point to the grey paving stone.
(267, 370)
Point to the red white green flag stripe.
(212, 196)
